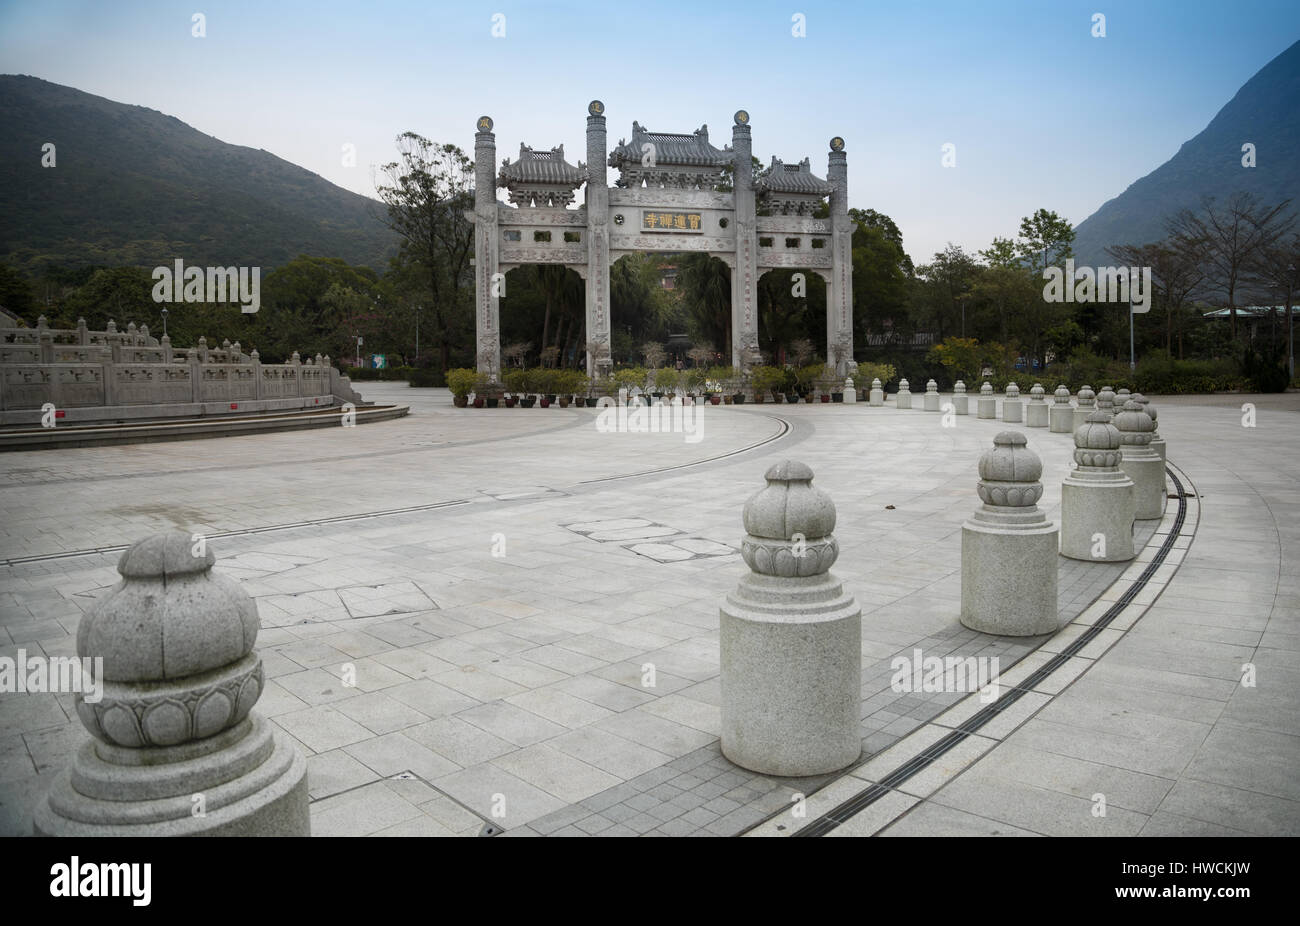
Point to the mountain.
(131, 185)
(1265, 112)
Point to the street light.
(164, 318)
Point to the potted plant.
(461, 383)
(666, 380)
(516, 382)
(766, 380)
(696, 377)
(630, 378)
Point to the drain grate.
(868, 796)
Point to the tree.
(949, 279)
(1276, 267)
(1046, 240)
(1230, 237)
(704, 284)
(1178, 271)
(962, 356)
(429, 192)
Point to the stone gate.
(663, 201)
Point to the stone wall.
(76, 368)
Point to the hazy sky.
(1042, 114)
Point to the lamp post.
(164, 318)
(417, 334)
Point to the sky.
(1041, 112)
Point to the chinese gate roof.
(671, 150)
(792, 178)
(541, 167)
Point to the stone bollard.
(790, 639)
(1008, 547)
(1157, 442)
(1060, 416)
(850, 391)
(1122, 396)
(960, 400)
(1087, 405)
(904, 397)
(1106, 401)
(1142, 464)
(173, 730)
(1036, 410)
(1012, 406)
(986, 406)
(877, 395)
(1097, 503)
(930, 402)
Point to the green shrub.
(1263, 373)
(884, 372)
(630, 377)
(462, 381)
(666, 380)
(768, 379)
(427, 377)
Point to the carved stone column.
(597, 200)
(487, 312)
(744, 276)
(839, 296)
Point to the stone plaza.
(508, 621)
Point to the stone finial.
(130, 328)
(875, 383)
(295, 359)
(111, 327)
(165, 340)
(1147, 407)
(1106, 398)
(1062, 395)
(1135, 426)
(174, 718)
(932, 387)
(319, 359)
(81, 323)
(1013, 391)
(225, 344)
(327, 360)
(41, 322)
(848, 384)
(959, 387)
(144, 331)
(790, 525)
(1037, 392)
(987, 388)
(254, 356)
(1087, 398)
(1009, 473)
(1097, 442)
(203, 341)
(1121, 396)
(790, 638)
(177, 643)
(237, 348)
(903, 386)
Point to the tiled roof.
(541, 167)
(792, 178)
(671, 150)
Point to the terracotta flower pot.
(826, 397)
(511, 401)
(460, 401)
(715, 399)
(479, 402)
(545, 402)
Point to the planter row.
(590, 401)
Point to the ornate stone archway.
(663, 200)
